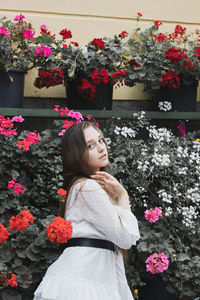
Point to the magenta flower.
(56, 107)
(76, 115)
(4, 31)
(62, 132)
(157, 263)
(43, 51)
(19, 17)
(18, 188)
(43, 27)
(28, 34)
(152, 215)
(17, 119)
(181, 129)
(89, 117)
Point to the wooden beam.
(101, 114)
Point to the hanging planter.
(182, 99)
(81, 94)
(12, 88)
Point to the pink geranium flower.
(4, 31)
(43, 51)
(28, 34)
(19, 17)
(152, 215)
(157, 263)
(17, 119)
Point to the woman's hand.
(109, 183)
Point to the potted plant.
(16, 57)
(166, 64)
(89, 72)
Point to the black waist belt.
(90, 242)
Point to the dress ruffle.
(66, 288)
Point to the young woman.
(91, 267)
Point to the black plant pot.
(102, 101)
(182, 99)
(11, 88)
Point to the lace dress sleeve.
(119, 225)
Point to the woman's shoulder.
(86, 184)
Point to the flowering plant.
(16, 44)
(101, 61)
(164, 59)
(161, 173)
(59, 230)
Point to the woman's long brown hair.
(75, 156)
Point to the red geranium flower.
(61, 192)
(66, 34)
(160, 37)
(176, 55)
(59, 229)
(87, 90)
(12, 281)
(21, 221)
(99, 43)
(4, 234)
(170, 79)
(157, 23)
(123, 34)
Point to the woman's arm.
(118, 224)
(123, 200)
(112, 186)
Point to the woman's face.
(97, 150)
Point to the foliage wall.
(157, 168)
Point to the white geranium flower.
(165, 105)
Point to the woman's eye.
(100, 140)
(90, 146)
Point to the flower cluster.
(170, 79)
(4, 234)
(62, 193)
(182, 129)
(169, 59)
(21, 221)
(125, 131)
(165, 105)
(99, 43)
(143, 165)
(6, 126)
(101, 61)
(87, 90)
(60, 230)
(162, 160)
(12, 281)
(66, 34)
(18, 188)
(42, 51)
(49, 78)
(17, 119)
(8, 279)
(76, 117)
(189, 215)
(165, 197)
(152, 215)
(32, 138)
(16, 44)
(157, 263)
(160, 134)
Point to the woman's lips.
(103, 156)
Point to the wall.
(93, 18)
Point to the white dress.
(87, 273)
